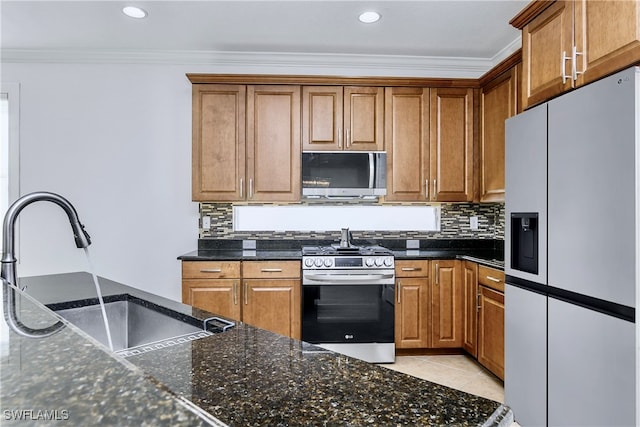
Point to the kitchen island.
(244, 376)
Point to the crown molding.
(274, 62)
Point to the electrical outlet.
(206, 222)
(473, 222)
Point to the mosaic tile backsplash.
(454, 223)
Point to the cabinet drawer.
(491, 278)
(270, 269)
(412, 268)
(211, 269)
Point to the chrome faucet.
(8, 270)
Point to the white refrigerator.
(572, 239)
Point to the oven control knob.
(388, 262)
(318, 262)
(379, 262)
(308, 262)
(328, 262)
(369, 262)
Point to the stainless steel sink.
(137, 328)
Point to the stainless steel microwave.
(341, 174)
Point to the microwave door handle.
(371, 170)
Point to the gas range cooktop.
(336, 250)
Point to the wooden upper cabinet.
(498, 103)
(609, 34)
(218, 150)
(566, 44)
(546, 42)
(342, 118)
(273, 143)
(407, 143)
(322, 118)
(363, 118)
(451, 144)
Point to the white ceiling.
(442, 32)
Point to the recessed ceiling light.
(134, 12)
(369, 17)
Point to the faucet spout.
(82, 239)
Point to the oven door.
(348, 313)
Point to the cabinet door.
(470, 307)
(273, 143)
(491, 331)
(446, 304)
(273, 305)
(322, 118)
(407, 143)
(608, 34)
(218, 149)
(498, 103)
(219, 296)
(546, 41)
(451, 144)
(364, 118)
(412, 313)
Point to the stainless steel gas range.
(348, 300)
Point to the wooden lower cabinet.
(446, 304)
(491, 330)
(428, 304)
(220, 296)
(412, 304)
(470, 307)
(265, 295)
(272, 296)
(491, 319)
(484, 315)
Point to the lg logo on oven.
(348, 337)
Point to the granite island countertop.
(245, 376)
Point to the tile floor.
(456, 371)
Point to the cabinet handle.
(426, 188)
(246, 293)
(478, 306)
(399, 290)
(251, 188)
(574, 63)
(271, 270)
(437, 275)
(348, 141)
(435, 190)
(235, 293)
(411, 268)
(211, 270)
(563, 60)
(241, 188)
(339, 137)
(493, 279)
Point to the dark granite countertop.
(245, 376)
(486, 252)
(241, 255)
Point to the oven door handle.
(348, 278)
